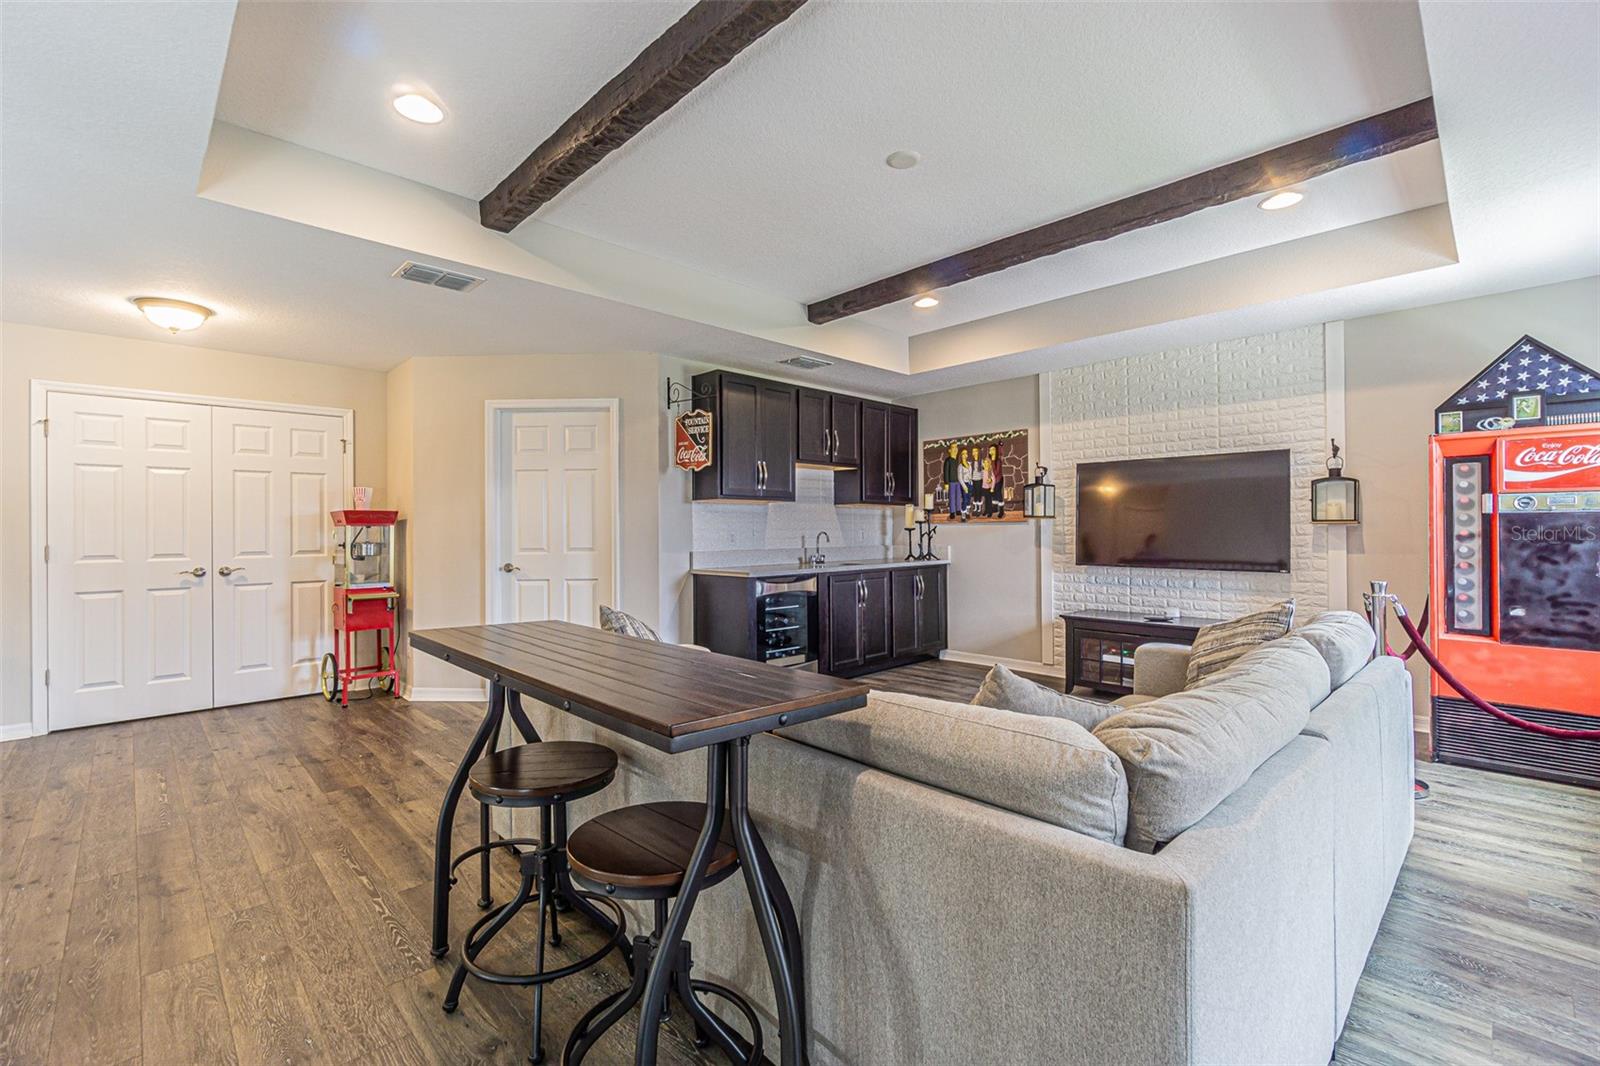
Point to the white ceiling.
(689, 243)
(323, 75)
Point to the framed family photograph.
(975, 478)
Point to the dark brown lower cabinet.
(877, 618)
(919, 611)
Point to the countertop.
(807, 571)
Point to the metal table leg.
(447, 816)
(780, 932)
(660, 979)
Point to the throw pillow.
(614, 621)
(1010, 692)
(1344, 639)
(1215, 646)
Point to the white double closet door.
(189, 559)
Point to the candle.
(927, 501)
(911, 515)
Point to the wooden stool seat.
(645, 848)
(537, 774)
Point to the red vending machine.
(1515, 573)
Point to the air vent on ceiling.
(806, 362)
(424, 274)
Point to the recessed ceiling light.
(1280, 200)
(925, 301)
(903, 160)
(419, 108)
(175, 316)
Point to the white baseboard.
(1020, 665)
(442, 695)
(16, 731)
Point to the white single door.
(128, 520)
(554, 504)
(277, 476)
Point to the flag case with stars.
(1528, 384)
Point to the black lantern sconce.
(1039, 496)
(1336, 499)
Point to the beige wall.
(31, 352)
(994, 570)
(437, 431)
(1398, 368)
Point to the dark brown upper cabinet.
(752, 438)
(886, 471)
(829, 429)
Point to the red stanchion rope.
(1411, 649)
(1477, 701)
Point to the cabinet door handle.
(761, 475)
(824, 440)
(836, 444)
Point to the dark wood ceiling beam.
(699, 44)
(1290, 164)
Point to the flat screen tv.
(1193, 512)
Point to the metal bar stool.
(546, 775)
(641, 853)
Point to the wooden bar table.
(674, 699)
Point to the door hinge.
(44, 423)
(47, 553)
(47, 679)
(344, 445)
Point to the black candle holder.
(911, 551)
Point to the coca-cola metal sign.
(691, 440)
(1557, 462)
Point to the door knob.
(509, 568)
(224, 571)
(198, 571)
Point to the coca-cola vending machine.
(1515, 575)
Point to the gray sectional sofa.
(982, 886)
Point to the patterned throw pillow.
(613, 621)
(1216, 646)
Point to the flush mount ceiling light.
(903, 160)
(925, 301)
(419, 108)
(174, 316)
(1280, 200)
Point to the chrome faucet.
(815, 558)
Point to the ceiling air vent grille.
(806, 362)
(439, 277)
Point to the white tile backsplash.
(755, 534)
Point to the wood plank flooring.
(251, 885)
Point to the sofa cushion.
(1215, 646)
(1187, 752)
(1009, 691)
(1343, 639)
(1047, 768)
(1288, 662)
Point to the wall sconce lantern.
(1336, 499)
(1039, 496)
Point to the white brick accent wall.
(1250, 394)
(757, 534)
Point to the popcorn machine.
(364, 599)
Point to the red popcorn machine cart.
(364, 598)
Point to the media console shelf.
(1100, 645)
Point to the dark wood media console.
(1100, 645)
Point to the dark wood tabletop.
(670, 697)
